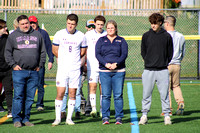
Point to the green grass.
(189, 123)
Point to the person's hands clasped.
(111, 66)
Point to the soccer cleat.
(163, 114)
(69, 122)
(56, 122)
(105, 121)
(180, 109)
(93, 113)
(143, 120)
(167, 120)
(118, 121)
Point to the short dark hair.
(72, 17)
(156, 18)
(100, 18)
(2, 23)
(22, 17)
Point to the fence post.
(5, 16)
(198, 52)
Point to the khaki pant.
(174, 78)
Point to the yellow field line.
(4, 118)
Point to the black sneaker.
(105, 121)
(118, 121)
(2, 109)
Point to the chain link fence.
(130, 23)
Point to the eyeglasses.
(93, 26)
(3, 27)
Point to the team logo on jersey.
(90, 79)
(26, 42)
(118, 41)
(106, 41)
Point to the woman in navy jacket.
(111, 52)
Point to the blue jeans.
(24, 83)
(40, 88)
(112, 81)
(78, 99)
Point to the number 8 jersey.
(69, 49)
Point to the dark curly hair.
(156, 18)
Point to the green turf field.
(189, 123)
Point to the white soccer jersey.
(69, 49)
(91, 37)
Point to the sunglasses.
(93, 26)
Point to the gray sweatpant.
(162, 80)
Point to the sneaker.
(17, 124)
(118, 121)
(143, 120)
(56, 123)
(2, 109)
(9, 115)
(93, 113)
(63, 115)
(163, 114)
(40, 109)
(69, 122)
(87, 113)
(180, 109)
(105, 121)
(167, 120)
(77, 115)
(28, 124)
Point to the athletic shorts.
(93, 76)
(70, 78)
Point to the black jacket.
(3, 65)
(156, 49)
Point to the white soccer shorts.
(71, 78)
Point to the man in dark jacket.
(25, 53)
(34, 24)
(5, 69)
(157, 52)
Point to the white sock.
(93, 101)
(71, 105)
(100, 103)
(58, 106)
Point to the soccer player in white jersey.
(91, 37)
(68, 48)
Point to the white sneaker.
(56, 122)
(69, 122)
(167, 120)
(143, 120)
(93, 113)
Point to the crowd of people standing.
(100, 54)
